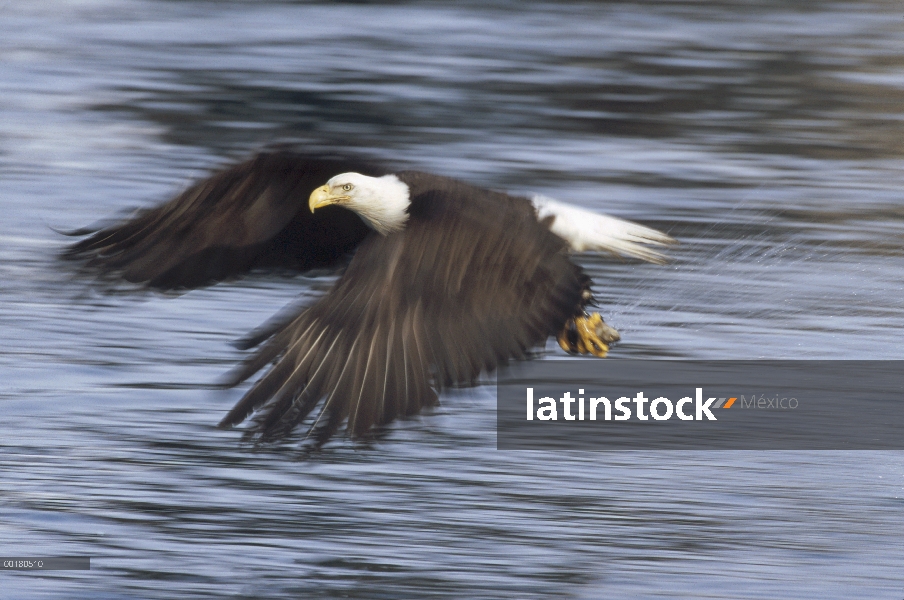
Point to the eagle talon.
(587, 334)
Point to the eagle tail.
(589, 231)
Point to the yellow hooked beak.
(322, 197)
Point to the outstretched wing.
(253, 214)
(473, 280)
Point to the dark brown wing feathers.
(254, 214)
(472, 281)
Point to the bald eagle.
(442, 281)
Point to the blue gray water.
(766, 136)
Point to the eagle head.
(382, 202)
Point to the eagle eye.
(347, 187)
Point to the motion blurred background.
(766, 136)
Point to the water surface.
(765, 136)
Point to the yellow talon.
(587, 334)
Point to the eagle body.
(443, 281)
(473, 279)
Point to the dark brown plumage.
(251, 215)
(474, 279)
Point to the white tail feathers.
(588, 231)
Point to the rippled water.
(766, 136)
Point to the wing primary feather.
(362, 388)
(381, 411)
(269, 385)
(280, 418)
(338, 381)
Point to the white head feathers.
(381, 201)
